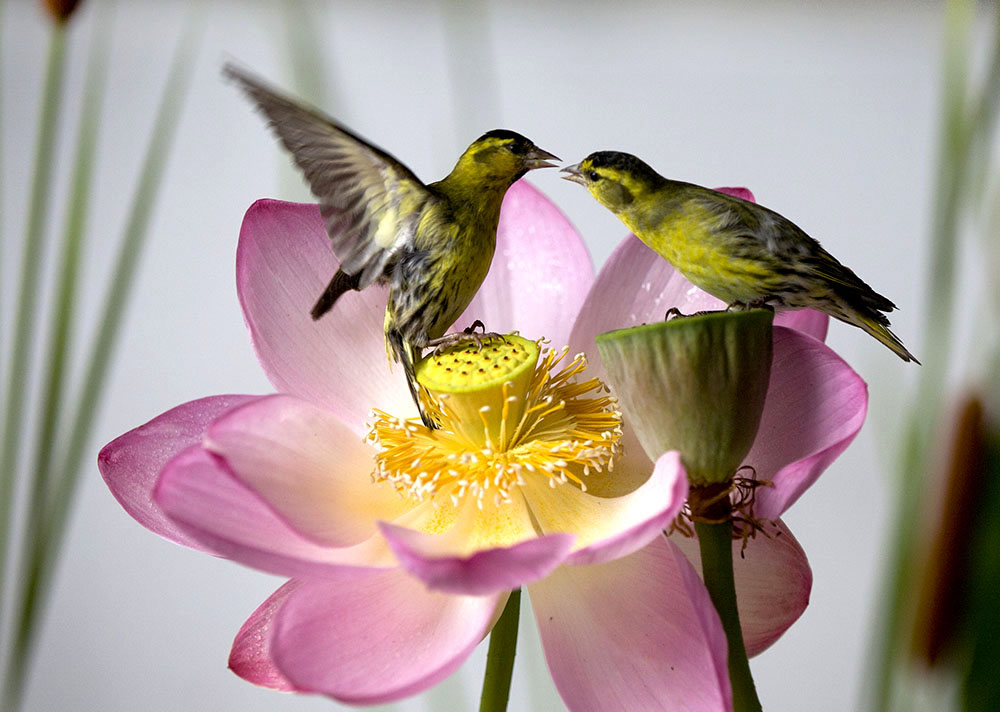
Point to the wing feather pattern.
(362, 190)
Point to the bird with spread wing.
(432, 244)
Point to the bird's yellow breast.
(697, 243)
(453, 249)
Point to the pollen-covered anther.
(498, 430)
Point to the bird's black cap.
(519, 143)
(619, 161)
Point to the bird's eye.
(594, 176)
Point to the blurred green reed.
(63, 433)
(968, 122)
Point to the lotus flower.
(395, 574)
(814, 408)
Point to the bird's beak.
(573, 173)
(537, 158)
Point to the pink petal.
(199, 493)
(611, 527)
(815, 406)
(250, 657)
(131, 462)
(637, 633)
(283, 263)
(773, 581)
(541, 271)
(376, 638)
(635, 286)
(739, 192)
(484, 572)
(808, 321)
(313, 470)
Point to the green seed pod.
(696, 385)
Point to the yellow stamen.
(495, 433)
(477, 381)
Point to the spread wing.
(371, 201)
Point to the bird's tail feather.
(880, 331)
(340, 283)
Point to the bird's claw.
(468, 334)
(472, 329)
(675, 313)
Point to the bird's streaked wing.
(362, 190)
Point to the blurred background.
(830, 112)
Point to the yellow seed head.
(506, 414)
(483, 385)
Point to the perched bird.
(737, 251)
(432, 244)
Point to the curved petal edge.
(484, 572)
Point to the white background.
(828, 112)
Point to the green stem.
(306, 37)
(716, 544)
(30, 268)
(39, 499)
(120, 284)
(60, 336)
(471, 66)
(500, 658)
(40, 567)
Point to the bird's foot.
(675, 313)
(469, 334)
(472, 329)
